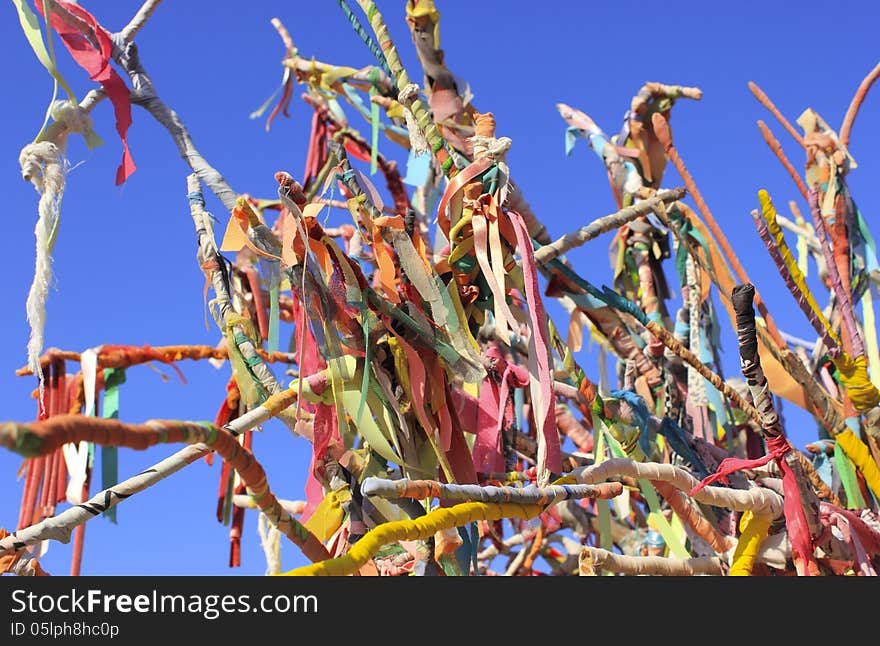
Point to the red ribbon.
(93, 52)
(316, 155)
(795, 519)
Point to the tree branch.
(140, 18)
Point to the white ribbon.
(76, 455)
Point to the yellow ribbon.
(858, 453)
(424, 8)
(870, 330)
(328, 515)
(30, 25)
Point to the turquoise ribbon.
(113, 377)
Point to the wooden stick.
(856, 103)
(767, 103)
(776, 147)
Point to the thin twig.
(856, 103)
(767, 103)
(776, 147)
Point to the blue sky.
(124, 262)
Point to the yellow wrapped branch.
(854, 374)
(411, 530)
(754, 529)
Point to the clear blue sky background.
(125, 257)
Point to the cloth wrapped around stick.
(424, 527)
(531, 495)
(125, 356)
(593, 558)
(426, 367)
(759, 500)
(42, 438)
(774, 435)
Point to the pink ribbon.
(490, 411)
(861, 536)
(539, 356)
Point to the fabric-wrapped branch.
(691, 516)
(228, 319)
(776, 147)
(773, 238)
(592, 558)
(750, 360)
(604, 224)
(247, 501)
(800, 517)
(364, 77)
(531, 495)
(419, 529)
(758, 500)
(422, 117)
(124, 356)
(40, 438)
(60, 527)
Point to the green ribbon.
(603, 509)
(374, 123)
(113, 378)
(848, 479)
(650, 496)
(30, 25)
(227, 498)
(365, 382)
(687, 230)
